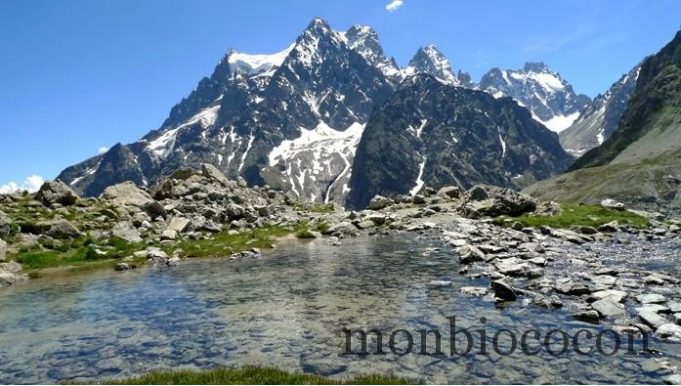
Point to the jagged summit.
(548, 96)
(430, 60)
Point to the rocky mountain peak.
(535, 67)
(549, 97)
(364, 40)
(430, 60)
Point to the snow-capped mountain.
(295, 119)
(599, 120)
(550, 98)
(429, 60)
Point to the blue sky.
(79, 75)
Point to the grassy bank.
(577, 215)
(251, 375)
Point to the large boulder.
(449, 192)
(56, 192)
(379, 202)
(58, 229)
(5, 225)
(211, 172)
(612, 204)
(486, 200)
(178, 224)
(128, 194)
(126, 231)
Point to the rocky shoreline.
(544, 266)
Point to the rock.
(610, 227)
(418, 199)
(587, 230)
(379, 202)
(548, 208)
(377, 218)
(616, 296)
(503, 290)
(568, 287)
(590, 316)
(56, 192)
(677, 318)
(173, 261)
(612, 204)
(178, 224)
(169, 234)
(58, 229)
(341, 228)
(211, 172)
(449, 191)
(650, 298)
(5, 224)
(128, 194)
(473, 291)
(673, 379)
(122, 267)
(512, 267)
(493, 201)
(365, 224)
(653, 280)
(608, 308)
(674, 306)
(3, 250)
(651, 318)
(669, 331)
(469, 254)
(126, 231)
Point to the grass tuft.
(251, 375)
(577, 215)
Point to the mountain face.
(429, 60)
(641, 161)
(430, 132)
(599, 120)
(550, 98)
(294, 120)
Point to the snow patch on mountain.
(256, 64)
(163, 144)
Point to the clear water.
(285, 310)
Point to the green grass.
(577, 215)
(251, 375)
(224, 243)
(79, 252)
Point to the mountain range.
(641, 160)
(314, 120)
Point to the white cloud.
(102, 150)
(394, 5)
(31, 183)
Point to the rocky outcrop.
(56, 192)
(492, 201)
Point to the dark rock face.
(545, 93)
(599, 120)
(438, 135)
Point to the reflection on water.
(284, 310)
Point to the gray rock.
(610, 227)
(568, 287)
(377, 218)
(449, 191)
(211, 172)
(126, 231)
(669, 331)
(379, 202)
(677, 318)
(173, 261)
(651, 298)
(512, 267)
(418, 199)
(590, 316)
(56, 192)
(469, 254)
(178, 224)
(5, 224)
(341, 228)
(616, 296)
(608, 308)
(122, 267)
(493, 201)
(473, 291)
(128, 194)
(503, 290)
(439, 283)
(674, 306)
(169, 234)
(673, 379)
(3, 250)
(651, 318)
(58, 229)
(612, 204)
